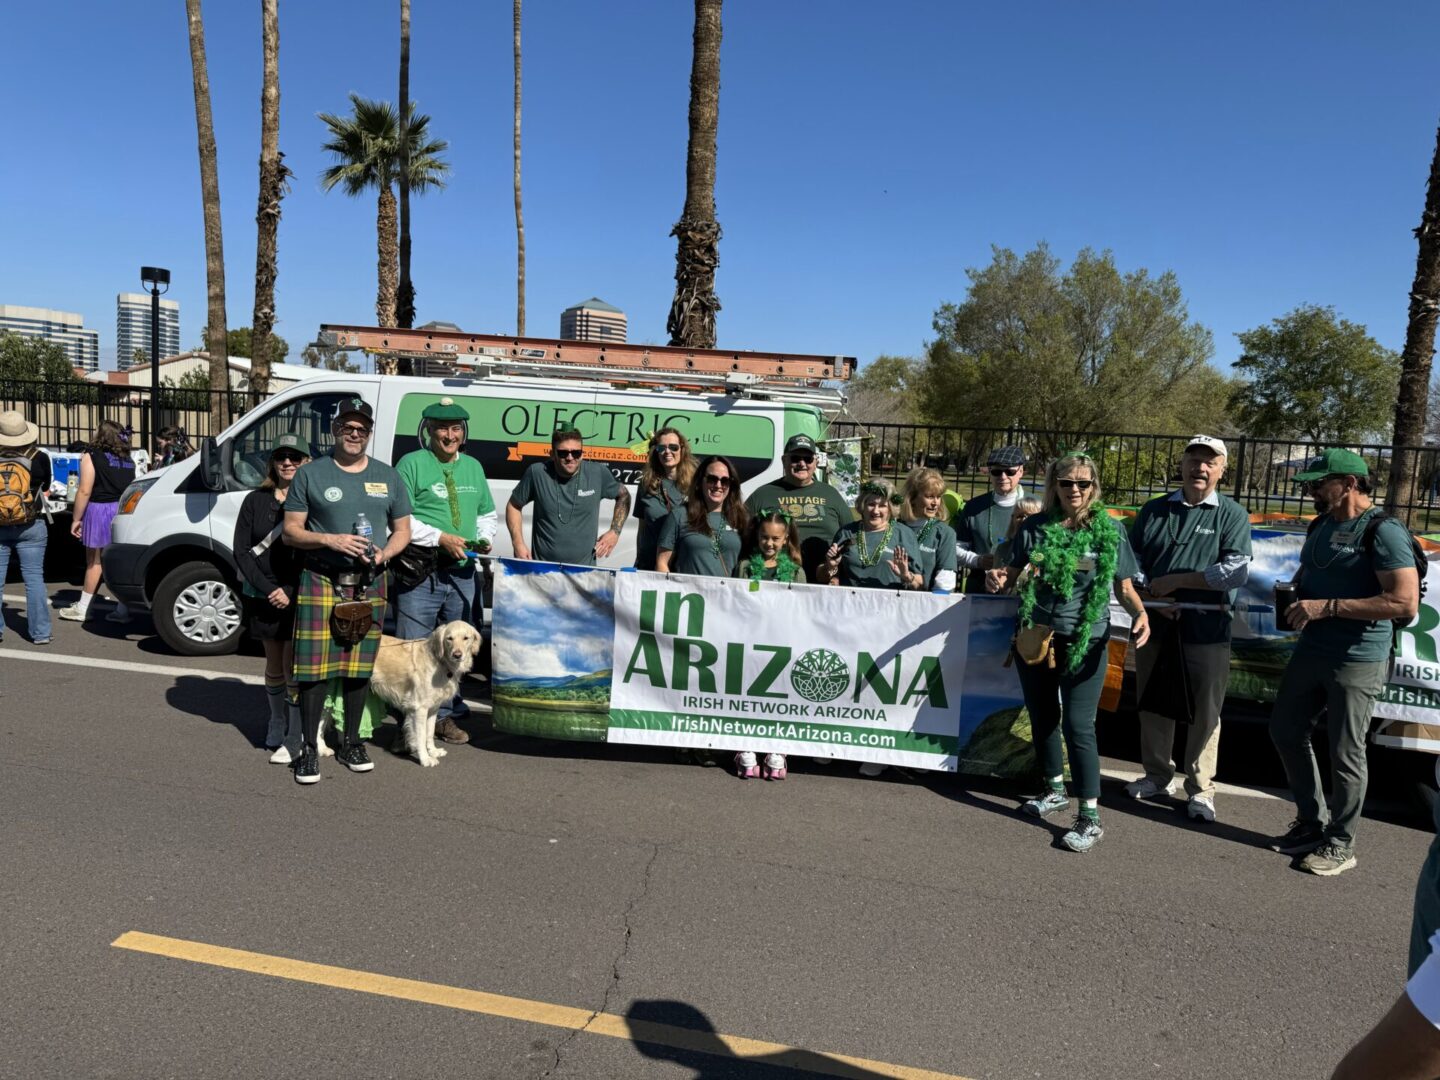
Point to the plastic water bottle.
(72, 485)
(363, 530)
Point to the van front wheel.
(196, 611)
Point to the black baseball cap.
(354, 406)
(800, 442)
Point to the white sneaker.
(1201, 808)
(872, 768)
(72, 613)
(1145, 788)
(280, 757)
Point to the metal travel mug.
(1286, 593)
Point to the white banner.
(859, 674)
(1410, 702)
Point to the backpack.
(17, 500)
(1367, 542)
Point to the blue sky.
(1270, 154)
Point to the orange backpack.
(17, 501)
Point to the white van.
(175, 528)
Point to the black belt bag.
(413, 565)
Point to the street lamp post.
(153, 277)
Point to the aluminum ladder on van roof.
(791, 377)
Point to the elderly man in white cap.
(1193, 547)
(25, 474)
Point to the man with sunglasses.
(984, 520)
(1356, 575)
(816, 508)
(567, 491)
(1193, 547)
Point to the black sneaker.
(354, 757)
(1084, 834)
(307, 769)
(1303, 838)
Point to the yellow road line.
(513, 1008)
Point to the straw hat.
(16, 431)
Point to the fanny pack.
(1034, 644)
(351, 618)
(413, 565)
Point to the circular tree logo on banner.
(820, 675)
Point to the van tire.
(197, 612)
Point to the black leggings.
(312, 708)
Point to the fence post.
(1240, 471)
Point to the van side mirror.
(214, 464)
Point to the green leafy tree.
(25, 359)
(140, 356)
(883, 392)
(329, 357)
(1314, 375)
(240, 342)
(1069, 351)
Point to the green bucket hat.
(290, 442)
(1335, 462)
(445, 409)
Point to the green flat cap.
(1334, 462)
(445, 409)
(290, 442)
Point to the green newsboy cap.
(290, 442)
(1334, 462)
(445, 409)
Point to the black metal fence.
(67, 413)
(1134, 467)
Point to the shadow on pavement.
(222, 701)
(678, 1032)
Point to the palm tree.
(214, 244)
(519, 217)
(405, 292)
(1415, 358)
(692, 312)
(274, 183)
(367, 147)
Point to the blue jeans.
(28, 543)
(446, 595)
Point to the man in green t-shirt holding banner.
(1356, 574)
(452, 511)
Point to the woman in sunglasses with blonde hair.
(669, 469)
(1066, 562)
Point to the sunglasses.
(1083, 485)
(353, 429)
(667, 448)
(289, 459)
(805, 457)
(568, 454)
(712, 480)
(1003, 472)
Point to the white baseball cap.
(1208, 441)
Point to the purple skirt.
(95, 525)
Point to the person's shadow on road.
(222, 701)
(678, 1032)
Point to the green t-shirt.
(651, 511)
(567, 515)
(936, 542)
(878, 575)
(817, 509)
(333, 499)
(1169, 537)
(1050, 609)
(425, 479)
(1333, 566)
(981, 528)
(715, 555)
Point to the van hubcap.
(207, 612)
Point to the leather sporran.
(1036, 645)
(351, 620)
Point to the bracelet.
(1332, 609)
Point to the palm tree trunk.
(273, 174)
(214, 245)
(692, 313)
(1415, 359)
(386, 271)
(519, 217)
(405, 292)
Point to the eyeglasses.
(712, 480)
(802, 456)
(1316, 485)
(568, 454)
(667, 448)
(1083, 485)
(353, 429)
(1003, 472)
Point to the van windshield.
(308, 416)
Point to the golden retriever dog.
(417, 677)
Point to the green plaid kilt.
(318, 655)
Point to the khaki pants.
(1209, 669)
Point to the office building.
(132, 327)
(63, 328)
(593, 320)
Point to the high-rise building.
(132, 327)
(592, 320)
(64, 328)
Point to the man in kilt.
(326, 501)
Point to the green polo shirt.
(981, 528)
(878, 574)
(1333, 566)
(1050, 609)
(817, 509)
(567, 514)
(651, 510)
(333, 499)
(715, 555)
(425, 478)
(936, 542)
(1171, 537)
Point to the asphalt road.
(918, 922)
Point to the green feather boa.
(1054, 561)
